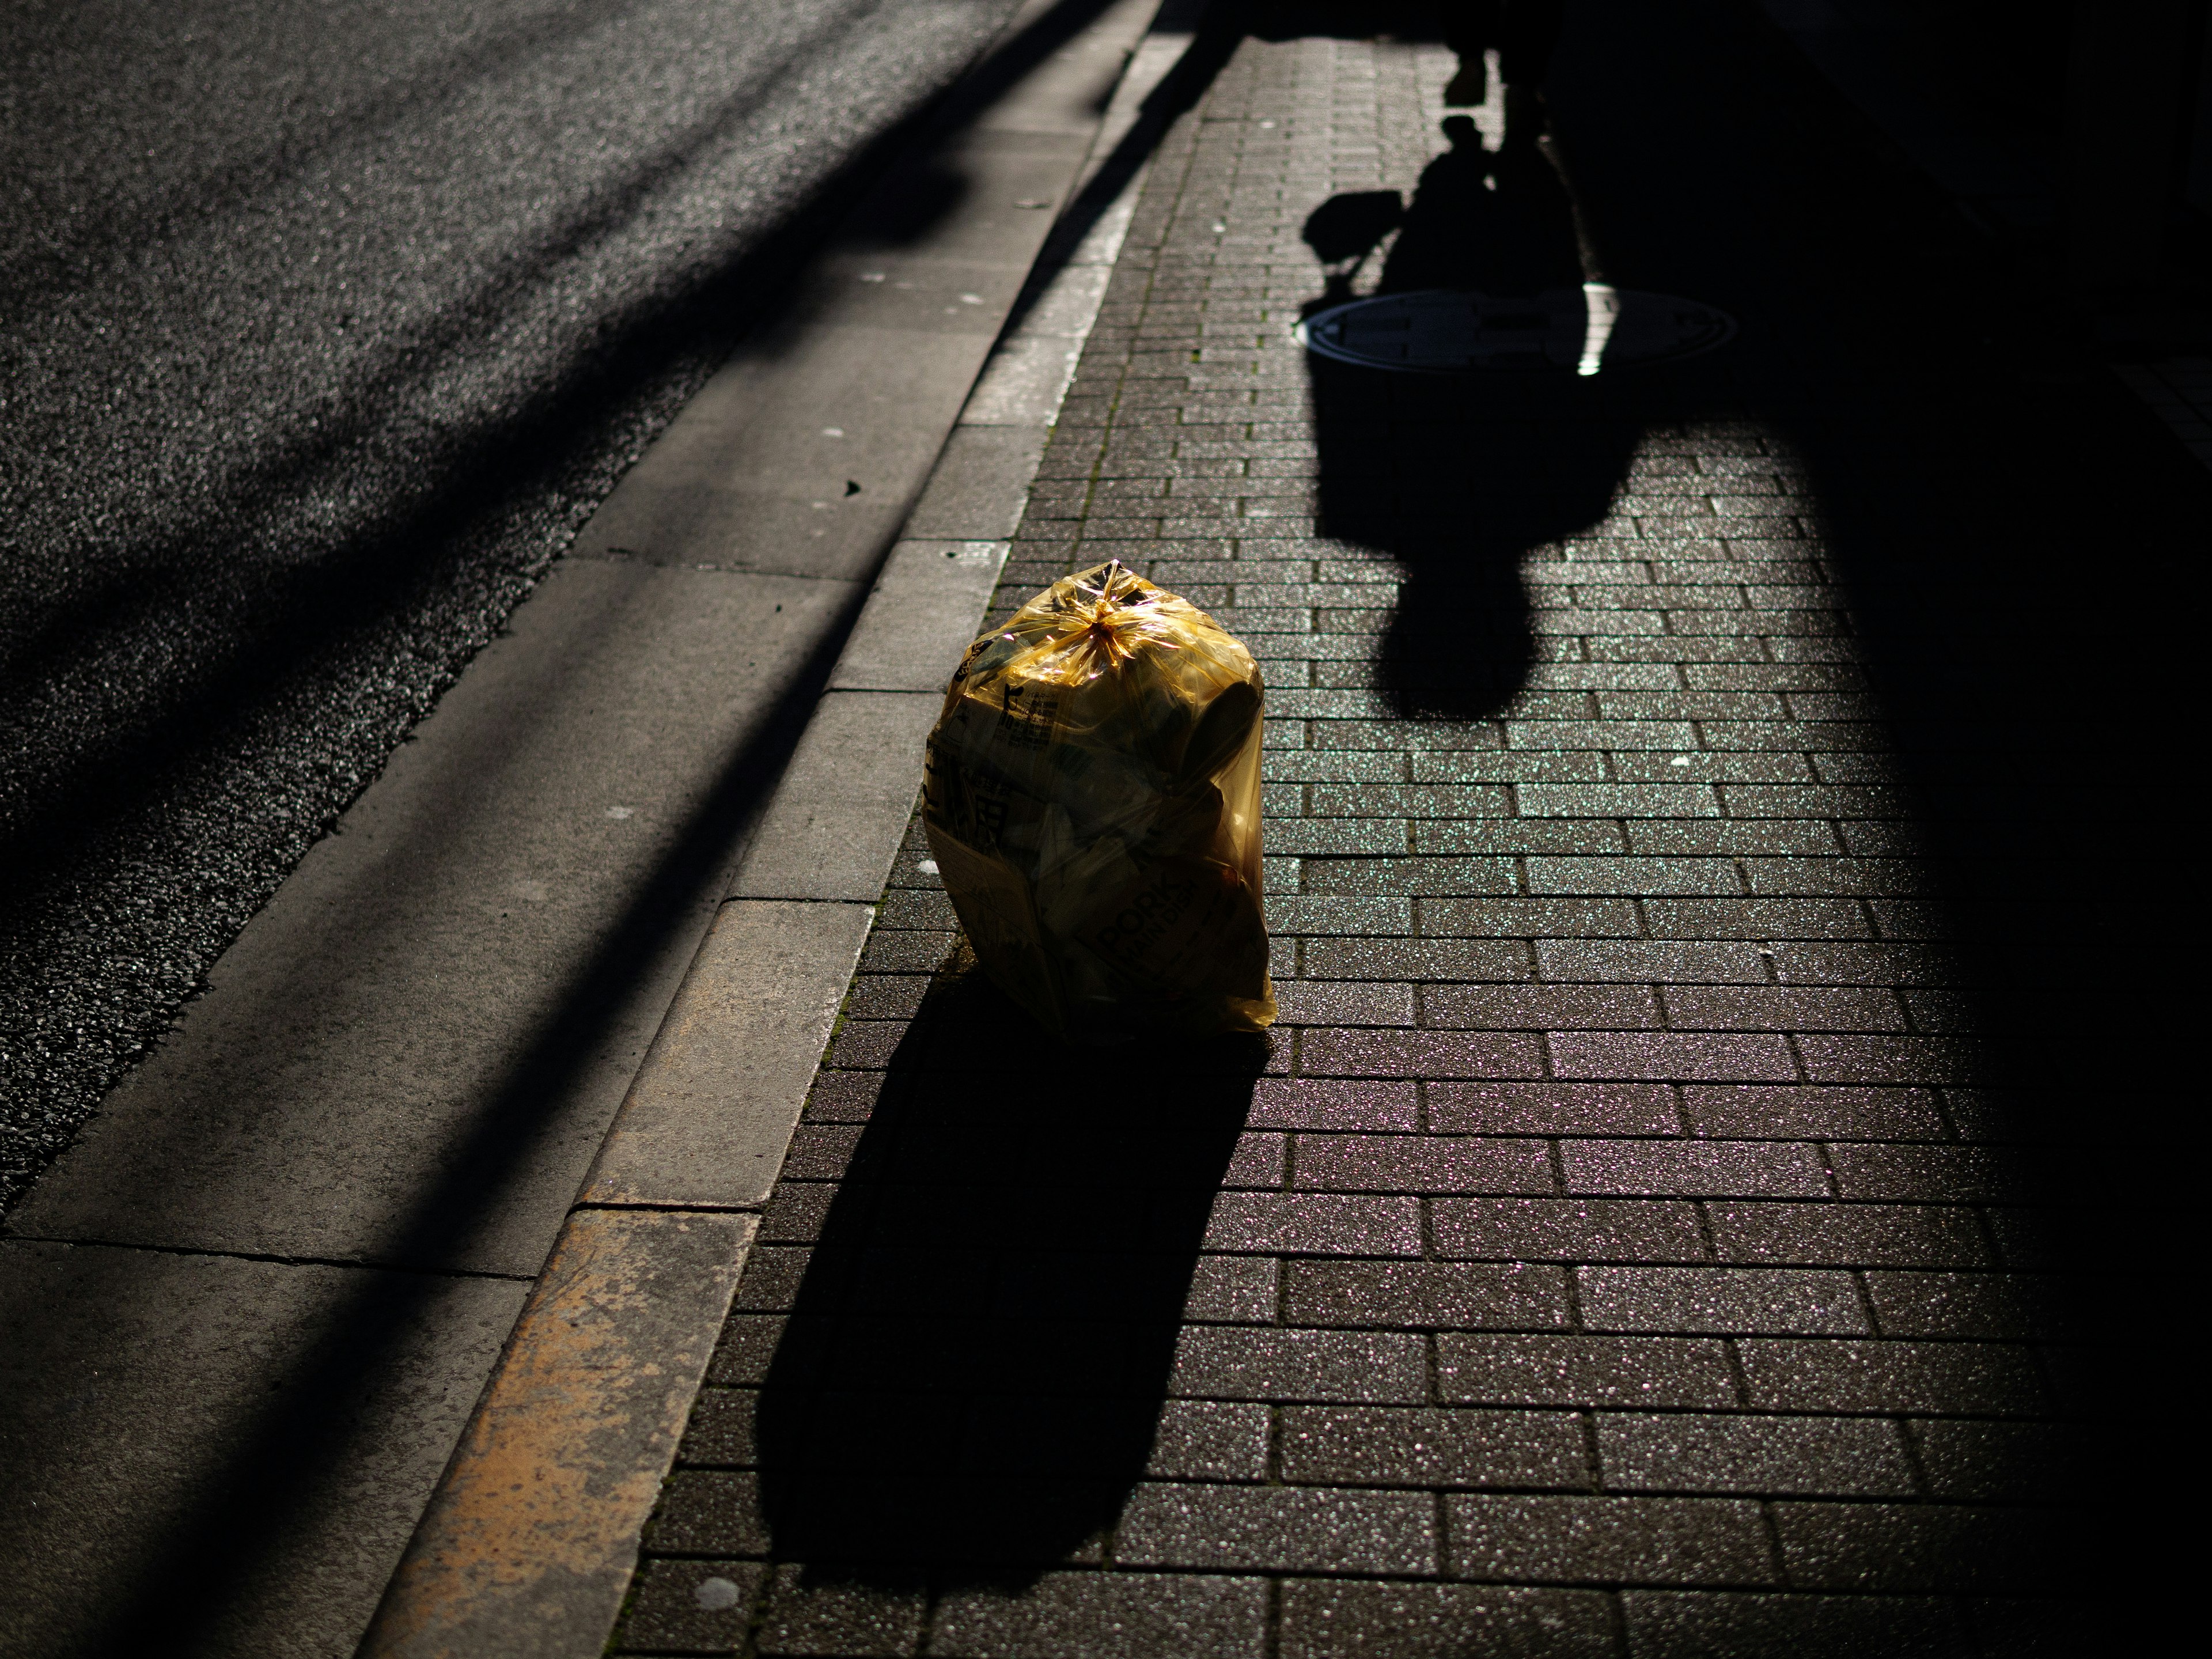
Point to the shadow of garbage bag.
(978, 1356)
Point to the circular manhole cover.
(1587, 329)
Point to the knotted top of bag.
(1098, 620)
(1104, 662)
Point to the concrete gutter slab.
(923, 615)
(707, 1122)
(829, 834)
(981, 484)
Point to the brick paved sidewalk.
(1611, 1251)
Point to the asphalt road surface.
(326, 328)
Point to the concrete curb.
(531, 1541)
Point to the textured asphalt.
(325, 328)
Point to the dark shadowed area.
(976, 1362)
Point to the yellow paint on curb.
(530, 1543)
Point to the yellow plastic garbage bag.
(1093, 802)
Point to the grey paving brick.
(1338, 1053)
(1291, 913)
(721, 1432)
(772, 1278)
(1396, 737)
(843, 1096)
(748, 1344)
(1649, 961)
(1639, 1540)
(1731, 837)
(1315, 1224)
(813, 1612)
(1754, 1111)
(1412, 878)
(1414, 958)
(1347, 1619)
(1635, 876)
(1968, 1378)
(1752, 800)
(865, 1043)
(1324, 1002)
(1903, 1060)
(1521, 767)
(1698, 705)
(1610, 1108)
(1334, 1103)
(1980, 1461)
(1427, 1295)
(1282, 1528)
(1864, 965)
(1927, 1546)
(1394, 800)
(1622, 800)
(1334, 766)
(1669, 735)
(886, 996)
(1567, 1230)
(1971, 1304)
(1868, 878)
(668, 1613)
(1774, 1301)
(1310, 837)
(1935, 1174)
(1784, 1008)
(1260, 1160)
(1547, 919)
(906, 953)
(1758, 918)
(796, 1211)
(1223, 1362)
(710, 1512)
(1673, 1056)
(1386, 1446)
(1707, 766)
(1579, 837)
(1233, 1290)
(820, 1152)
(1699, 1625)
(1800, 1456)
(1584, 1371)
(1539, 1008)
(1849, 1234)
(1421, 1164)
(1075, 1615)
(1210, 1440)
(1696, 1168)
(1909, 918)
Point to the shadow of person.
(1455, 478)
(978, 1356)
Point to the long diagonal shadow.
(982, 1344)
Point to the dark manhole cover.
(1586, 328)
